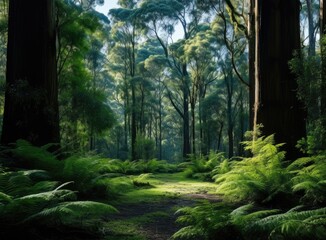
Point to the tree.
(127, 30)
(160, 17)
(278, 36)
(31, 99)
(323, 71)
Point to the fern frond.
(43, 186)
(189, 233)
(4, 198)
(295, 225)
(73, 213)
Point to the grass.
(162, 187)
(153, 205)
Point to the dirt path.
(164, 228)
(155, 220)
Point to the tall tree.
(128, 24)
(31, 105)
(323, 72)
(161, 17)
(278, 36)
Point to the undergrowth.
(40, 193)
(265, 197)
(31, 201)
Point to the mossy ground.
(147, 208)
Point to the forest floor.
(148, 213)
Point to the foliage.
(261, 178)
(310, 177)
(308, 69)
(293, 224)
(206, 221)
(202, 166)
(35, 157)
(262, 181)
(141, 166)
(144, 147)
(30, 201)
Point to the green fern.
(206, 221)
(309, 224)
(5, 198)
(77, 214)
(310, 178)
(261, 178)
(36, 157)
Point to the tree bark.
(279, 111)
(323, 73)
(186, 131)
(311, 29)
(31, 99)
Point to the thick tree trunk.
(323, 77)
(279, 110)
(31, 100)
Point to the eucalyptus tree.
(80, 60)
(31, 101)
(214, 112)
(160, 17)
(278, 36)
(3, 48)
(198, 53)
(152, 66)
(310, 11)
(128, 31)
(323, 72)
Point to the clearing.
(148, 213)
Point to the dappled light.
(163, 120)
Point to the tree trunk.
(219, 140)
(31, 99)
(255, 88)
(251, 46)
(193, 127)
(323, 73)
(311, 30)
(279, 111)
(160, 127)
(186, 140)
(133, 123)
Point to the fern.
(77, 214)
(309, 224)
(36, 157)
(5, 198)
(310, 178)
(206, 221)
(261, 178)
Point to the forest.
(163, 119)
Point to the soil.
(161, 228)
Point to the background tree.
(84, 82)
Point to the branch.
(228, 45)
